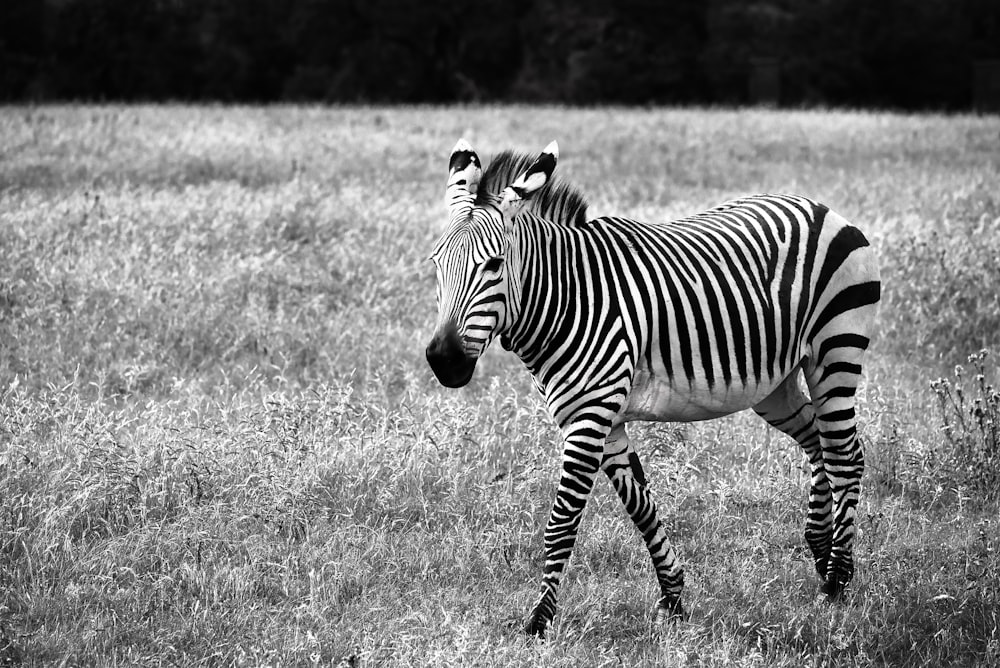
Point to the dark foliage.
(896, 53)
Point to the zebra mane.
(556, 201)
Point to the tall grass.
(220, 444)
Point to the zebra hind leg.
(790, 411)
(621, 464)
(833, 382)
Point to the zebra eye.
(493, 264)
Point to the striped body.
(619, 320)
(709, 313)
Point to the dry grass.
(220, 445)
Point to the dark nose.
(448, 360)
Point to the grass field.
(220, 443)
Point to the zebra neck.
(544, 289)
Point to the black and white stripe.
(619, 320)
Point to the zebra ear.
(464, 171)
(516, 195)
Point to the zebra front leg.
(580, 463)
(621, 465)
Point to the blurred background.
(898, 54)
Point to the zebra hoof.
(833, 590)
(669, 613)
(535, 626)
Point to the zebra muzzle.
(447, 359)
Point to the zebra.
(619, 320)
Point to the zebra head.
(474, 285)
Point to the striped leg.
(833, 381)
(790, 411)
(580, 462)
(621, 465)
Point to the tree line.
(911, 54)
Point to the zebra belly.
(653, 397)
